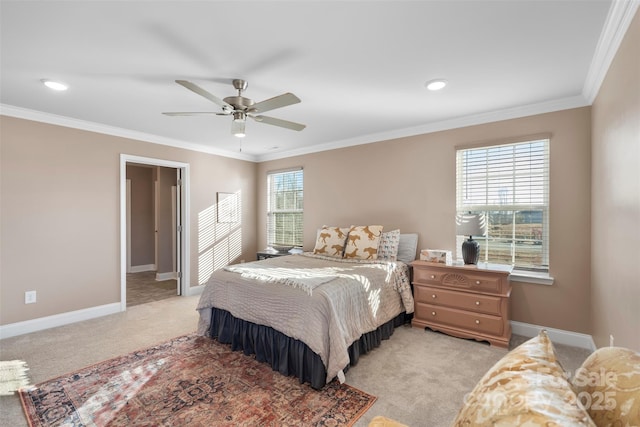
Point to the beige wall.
(409, 184)
(166, 180)
(60, 215)
(616, 199)
(142, 231)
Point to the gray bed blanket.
(362, 296)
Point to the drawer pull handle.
(433, 296)
(477, 282)
(433, 276)
(433, 313)
(477, 322)
(477, 302)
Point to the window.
(285, 207)
(509, 184)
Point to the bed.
(308, 315)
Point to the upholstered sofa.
(529, 387)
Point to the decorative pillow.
(407, 247)
(330, 241)
(362, 242)
(608, 385)
(527, 387)
(388, 245)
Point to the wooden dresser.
(465, 301)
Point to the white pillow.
(407, 248)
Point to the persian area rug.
(188, 381)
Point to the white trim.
(42, 323)
(186, 217)
(54, 119)
(616, 25)
(129, 226)
(476, 119)
(560, 336)
(141, 268)
(531, 277)
(166, 276)
(195, 290)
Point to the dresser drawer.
(445, 316)
(458, 279)
(460, 300)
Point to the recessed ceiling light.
(436, 84)
(54, 85)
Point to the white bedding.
(328, 319)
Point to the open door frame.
(183, 204)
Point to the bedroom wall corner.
(615, 270)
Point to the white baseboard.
(195, 290)
(42, 323)
(166, 276)
(141, 268)
(575, 339)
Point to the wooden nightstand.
(465, 301)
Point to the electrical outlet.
(611, 340)
(30, 297)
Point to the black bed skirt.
(286, 355)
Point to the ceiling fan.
(240, 107)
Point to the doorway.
(154, 229)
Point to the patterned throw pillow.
(608, 385)
(388, 246)
(362, 242)
(330, 241)
(527, 387)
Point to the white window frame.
(296, 240)
(483, 181)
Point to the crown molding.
(615, 27)
(39, 116)
(460, 122)
(475, 119)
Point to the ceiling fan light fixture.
(239, 116)
(436, 84)
(51, 84)
(237, 125)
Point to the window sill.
(531, 277)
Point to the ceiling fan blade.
(191, 113)
(197, 89)
(279, 122)
(275, 102)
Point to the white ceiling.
(359, 67)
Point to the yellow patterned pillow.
(608, 385)
(362, 242)
(330, 241)
(527, 387)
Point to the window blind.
(285, 213)
(509, 184)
